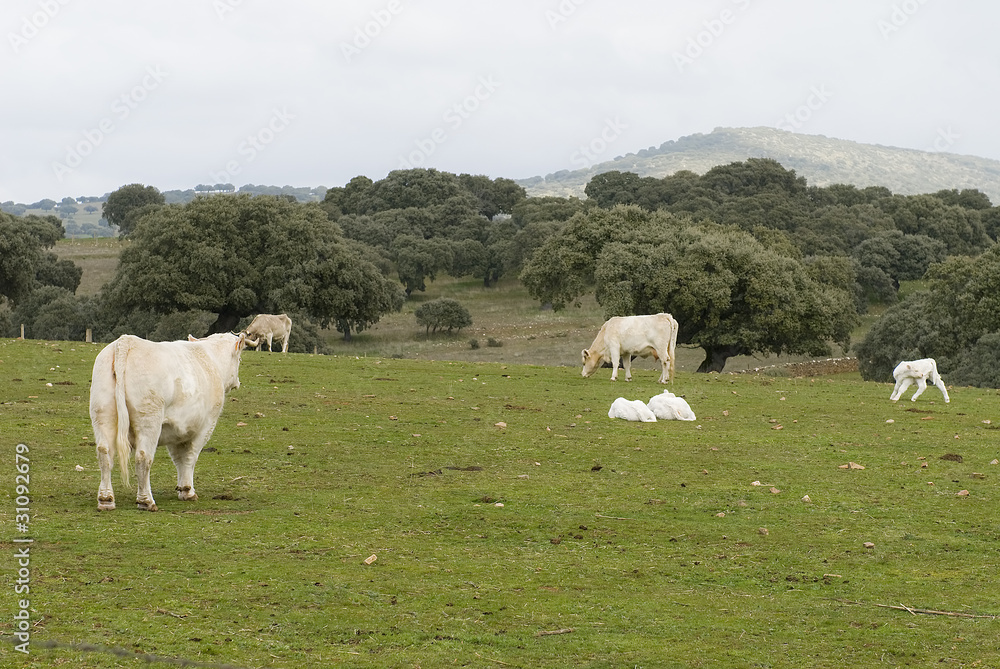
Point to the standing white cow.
(145, 394)
(270, 327)
(622, 337)
(919, 371)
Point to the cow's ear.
(241, 341)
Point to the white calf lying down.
(919, 371)
(634, 410)
(667, 406)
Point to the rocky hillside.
(821, 160)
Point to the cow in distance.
(269, 327)
(622, 337)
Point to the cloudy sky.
(307, 93)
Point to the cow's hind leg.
(664, 366)
(185, 456)
(144, 496)
(106, 461)
(145, 451)
(921, 387)
(939, 382)
(105, 425)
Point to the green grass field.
(513, 523)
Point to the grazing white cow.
(270, 327)
(667, 406)
(919, 371)
(634, 410)
(145, 394)
(622, 337)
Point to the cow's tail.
(672, 348)
(122, 446)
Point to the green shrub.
(180, 324)
(443, 313)
(904, 332)
(978, 366)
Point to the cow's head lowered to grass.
(622, 337)
(920, 372)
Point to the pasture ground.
(513, 523)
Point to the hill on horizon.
(821, 160)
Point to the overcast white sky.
(306, 93)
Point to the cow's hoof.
(186, 494)
(105, 505)
(146, 506)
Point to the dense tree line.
(730, 294)
(865, 241)
(427, 222)
(895, 237)
(28, 268)
(748, 257)
(204, 266)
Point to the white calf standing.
(919, 371)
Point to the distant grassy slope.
(98, 258)
(821, 160)
(82, 224)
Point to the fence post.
(90, 336)
(22, 330)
